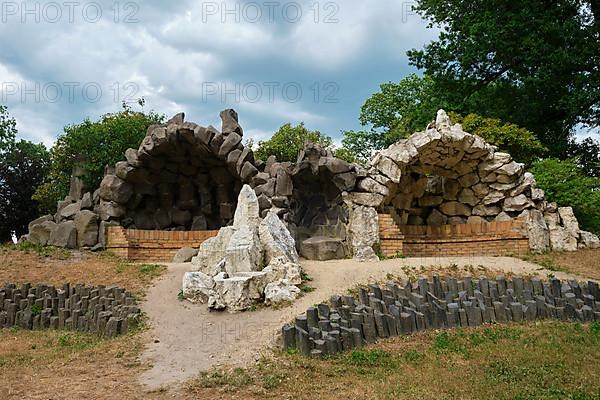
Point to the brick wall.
(138, 245)
(484, 239)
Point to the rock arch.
(444, 175)
(183, 176)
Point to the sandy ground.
(186, 339)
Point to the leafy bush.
(23, 167)
(520, 143)
(565, 183)
(92, 145)
(288, 141)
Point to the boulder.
(345, 182)
(86, 202)
(365, 254)
(436, 218)
(322, 248)
(276, 239)
(64, 235)
(370, 185)
(69, 211)
(40, 220)
(280, 292)
(537, 231)
(247, 211)
(113, 188)
(477, 220)
(185, 255)
(518, 203)
(212, 252)
(455, 208)
(451, 189)
(229, 119)
(503, 217)
(197, 287)
(40, 233)
(469, 180)
(467, 196)
(562, 240)
(430, 201)
(110, 209)
(281, 268)
(403, 201)
(284, 185)
(103, 231)
(231, 293)
(588, 240)
(569, 221)
(244, 252)
(484, 211)
(493, 198)
(232, 140)
(366, 199)
(364, 232)
(390, 169)
(86, 223)
(334, 165)
(199, 223)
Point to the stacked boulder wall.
(184, 176)
(236, 266)
(447, 176)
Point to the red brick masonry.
(485, 239)
(138, 245)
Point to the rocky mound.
(251, 261)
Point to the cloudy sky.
(274, 62)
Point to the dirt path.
(186, 339)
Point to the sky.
(274, 62)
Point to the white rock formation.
(235, 267)
(280, 292)
(197, 286)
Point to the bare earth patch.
(582, 262)
(57, 266)
(190, 353)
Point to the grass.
(146, 273)
(546, 260)
(43, 364)
(581, 262)
(42, 251)
(542, 360)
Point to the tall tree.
(533, 63)
(288, 141)
(23, 167)
(94, 145)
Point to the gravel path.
(186, 339)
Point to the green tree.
(566, 183)
(396, 111)
(93, 145)
(288, 141)
(587, 154)
(534, 63)
(516, 141)
(23, 167)
(400, 109)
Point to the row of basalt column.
(106, 311)
(349, 322)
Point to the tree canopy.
(400, 109)
(23, 167)
(535, 64)
(93, 145)
(567, 184)
(288, 141)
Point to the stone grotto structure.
(442, 191)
